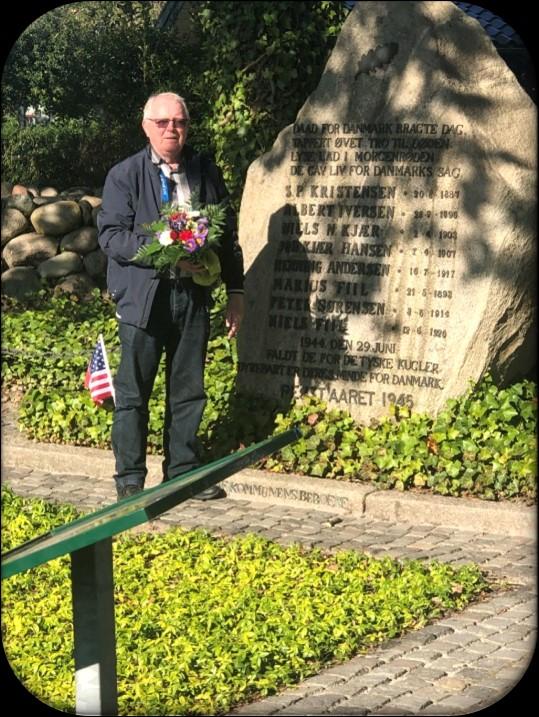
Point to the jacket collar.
(190, 164)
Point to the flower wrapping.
(185, 233)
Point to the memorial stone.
(389, 233)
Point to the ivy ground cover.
(204, 623)
(482, 444)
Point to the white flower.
(194, 214)
(164, 238)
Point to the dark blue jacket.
(131, 198)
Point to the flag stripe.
(98, 378)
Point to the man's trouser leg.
(141, 352)
(186, 346)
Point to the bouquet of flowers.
(185, 233)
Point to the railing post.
(92, 585)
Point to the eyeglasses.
(164, 123)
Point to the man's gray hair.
(171, 96)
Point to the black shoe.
(214, 491)
(125, 491)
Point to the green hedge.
(482, 444)
(245, 70)
(203, 624)
(65, 153)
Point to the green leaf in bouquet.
(145, 253)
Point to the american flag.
(98, 377)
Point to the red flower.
(174, 235)
(186, 234)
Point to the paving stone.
(473, 674)
(431, 673)
(461, 638)
(414, 682)
(362, 683)
(451, 663)
(516, 633)
(362, 701)
(391, 690)
(23, 489)
(452, 684)
(483, 648)
(434, 709)
(269, 706)
(430, 654)
(462, 703)
(271, 534)
(406, 664)
(512, 654)
(346, 670)
(410, 703)
(482, 630)
(483, 693)
(447, 647)
(391, 709)
(391, 670)
(324, 680)
(305, 706)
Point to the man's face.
(167, 138)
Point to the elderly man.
(159, 314)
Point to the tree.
(91, 59)
(261, 61)
(245, 69)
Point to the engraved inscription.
(368, 244)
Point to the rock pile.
(49, 238)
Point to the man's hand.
(234, 314)
(186, 265)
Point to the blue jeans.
(179, 325)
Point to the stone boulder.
(41, 201)
(19, 189)
(92, 200)
(13, 223)
(83, 240)
(95, 263)
(29, 249)
(79, 284)
(57, 218)
(68, 262)
(20, 282)
(86, 213)
(389, 234)
(49, 192)
(23, 202)
(75, 193)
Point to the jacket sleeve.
(116, 220)
(230, 253)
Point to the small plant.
(203, 624)
(482, 444)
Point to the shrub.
(270, 58)
(67, 152)
(203, 624)
(482, 444)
